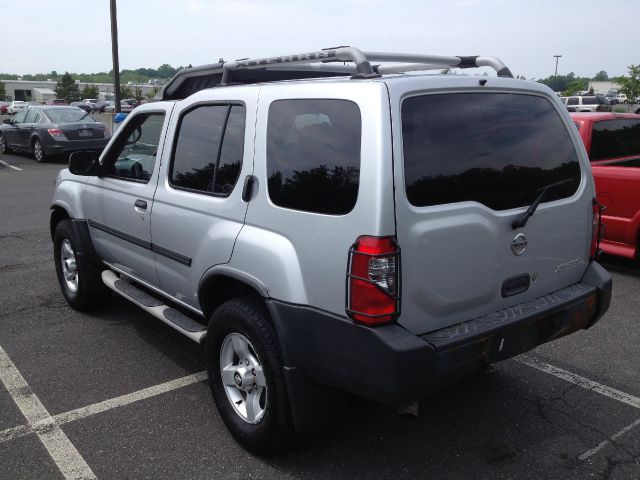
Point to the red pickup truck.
(612, 141)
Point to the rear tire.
(38, 151)
(3, 145)
(242, 347)
(79, 280)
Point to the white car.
(622, 98)
(15, 107)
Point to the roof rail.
(362, 61)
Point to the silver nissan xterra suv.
(325, 229)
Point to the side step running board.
(172, 317)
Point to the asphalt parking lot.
(116, 394)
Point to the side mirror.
(83, 163)
(8, 121)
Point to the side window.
(31, 116)
(209, 148)
(572, 101)
(615, 138)
(133, 156)
(313, 155)
(20, 116)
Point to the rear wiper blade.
(521, 221)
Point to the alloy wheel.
(69, 265)
(38, 152)
(243, 378)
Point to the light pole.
(114, 53)
(557, 57)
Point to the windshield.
(494, 148)
(68, 115)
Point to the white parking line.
(580, 381)
(10, 166)
(611, 439)
(593, 387)
(83, 412)
(64, 454)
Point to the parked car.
(83, 106)
(57, 101)
(49, 130)
(612, 141)
(100, 106)
(612, 99)
(3, 108)
(128, 105)
(16, 106)
(622, 98)
(110, 106)
(382, 235)
(591, 103)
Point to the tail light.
(597, 229)
(56, 132)
(373, 280)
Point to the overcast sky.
(74, 35)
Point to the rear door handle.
(141, 204)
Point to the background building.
(43, 91)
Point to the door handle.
(141, 204)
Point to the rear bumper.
(391, 365)
(52, 146)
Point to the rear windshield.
(615, 138)
(497, 149)
(62, 115)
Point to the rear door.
(467, 163)
(26, 129)
(198, 209)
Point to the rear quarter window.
(313, 155)
(615, 138)
(496, 149)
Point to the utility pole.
(114, 53)
(556, 56)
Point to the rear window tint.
(497, 149)
(615, 138)
(313, 155)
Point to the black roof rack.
(322, 63)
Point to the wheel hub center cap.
(238, 379)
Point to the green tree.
(152, 93)
(3, 92)
(125, 92)
(559, 83)
(67, 88)
(165, 71)
(137, 93)
(600, 76)
(90, 91)
(575, 86)
(631, 84)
